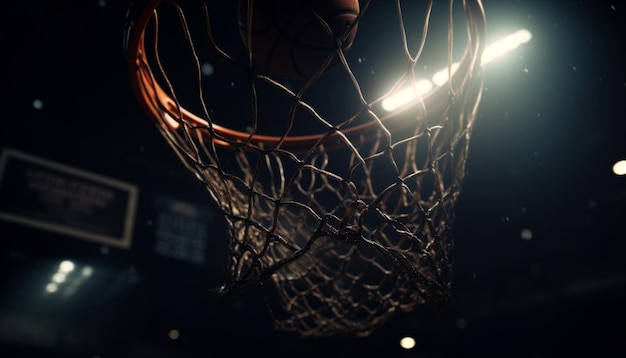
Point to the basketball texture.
(289, 40)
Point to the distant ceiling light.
(174, 334)
(619, 168)
(407, 342)
(59, 277)
(526, 234)
(87, 271)
(52, 287)
(66, 266)
(37, 104)
(207, 69)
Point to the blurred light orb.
(37, 104)
(207, 69)
(407, 342)
(619, 168)
(59, 277)
(52, 287)
(66, 266)
(173, 334)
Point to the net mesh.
(338, 209)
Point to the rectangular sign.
(182, 230)
(65, 200)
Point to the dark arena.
(312, 178)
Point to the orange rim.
(160, 105)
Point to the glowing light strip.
(421, 87)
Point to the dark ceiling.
(551, 126)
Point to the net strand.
(340, 229)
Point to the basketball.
(289, 40)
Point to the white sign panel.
(66, 200)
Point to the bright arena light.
(441, 76)
(505, 45)
(59, 277)
(66, 266)
(407, 94)
(407, 343)
(52, 287)
(497, 49)
(619, 168)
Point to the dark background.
(551, 126)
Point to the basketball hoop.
(339, 211)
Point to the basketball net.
(339, 211)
